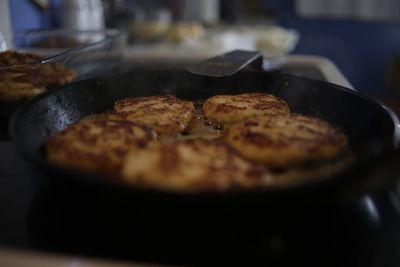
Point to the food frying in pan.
(228, 109)
(97, 144)
(194, 164)
(283, 141)
(259, 144)
(22, 76)
(164, 114)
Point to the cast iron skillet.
(371, 128)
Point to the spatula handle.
(228, 64)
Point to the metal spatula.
(228, 64)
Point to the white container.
(5, 26)
(83, 15)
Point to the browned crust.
(286, 141)
(228, 109)
(11, 58)
(165, 114)
(20, 79)
(97, 144)
(193, 165)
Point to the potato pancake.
(192, 165)
(286, 141)
(228, 109)
(164, 114)
(23, 76)
(97, 144)
(11, 91)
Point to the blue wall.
(360, 49)
(26, 15)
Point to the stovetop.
(36, 216)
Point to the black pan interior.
(369, 126)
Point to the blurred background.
(360, 37)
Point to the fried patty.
(12, 58)
(97, 144)
(22, 76)
(14, 91)
(286, 140)
(165, 114)
(193, 165)
(228, 109)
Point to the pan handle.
(384, 173)
(228, 64)
(376, 178)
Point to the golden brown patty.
(286, 140)
(53, 75)
(165, 114)
(192, 165)
(228, 109)
(97, 145)
(16, 91)
(11, 58)
(20, 79)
